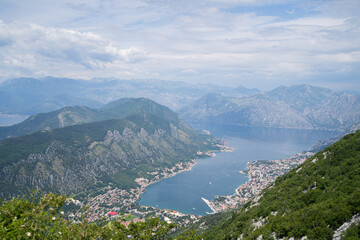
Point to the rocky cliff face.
(77, 158)
(302, 107)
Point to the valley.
(180, 120)
(135, 157)
(219, 176)
(105, 162)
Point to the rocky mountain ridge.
(87, 156)
(302, 107)
(28, 96)
(74, 115)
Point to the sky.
(251, 43)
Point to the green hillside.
(75, 115)
(312, 200)
(88, 156)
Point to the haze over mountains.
(133, 77)
(300, 106)
(29, 96)
(74, 115)
(96, 145)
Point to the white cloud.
(351, 57)
(132, 55)
(311, 21)
(182, 40)
(33, 47)
(189, 71)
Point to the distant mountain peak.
(214, 95)
(299, 106)
(302, 88)
(74, 115)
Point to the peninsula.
(261, 174)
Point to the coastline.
(144, 183)
(127, 201)
(261, 174)
(119, 200)
(209, 204)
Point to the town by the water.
(123, 204)
(261, 174)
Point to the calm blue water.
(216, 176)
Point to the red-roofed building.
(112, 215)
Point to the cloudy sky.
(254, 43)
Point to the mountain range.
(300, 106)
(28, 96)
(79, 149)
(75, 115)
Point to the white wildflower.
(29, 234)
(62, 212)
(53, 218)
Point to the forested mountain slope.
(74, 115)
(85, 156)
(313, 200)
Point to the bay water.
(219, 175)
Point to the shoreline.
(209, 204)
(261, 174)
(126, 198)
(144, 183)
(121, 200)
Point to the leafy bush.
(44, 218)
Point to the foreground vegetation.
(44, 218)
